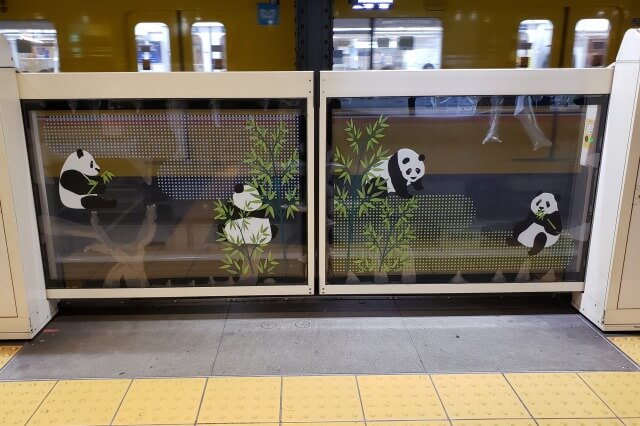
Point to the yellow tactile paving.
(631, 422)
(320, 399)
(406, 423)
(241, 400)
(410, 397)
(580, 422)
(6, 353)
(91, 402)
(621, 391)
(161, 401)
(479, 396)
(558, 396)
(494, 422)
(323, 424)
(19, 400)
(630, 345)
(250, 424)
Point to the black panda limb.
(96, 202)
(78, 183)
(538, 244)
(521, 227)
(552, 223)
(274, 231)
(75, 182)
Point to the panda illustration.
(403, 172)
(248, 224)
(80, 184)
(542, 227)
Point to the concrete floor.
(186, 338)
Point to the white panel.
(280, 84)
(630, 284)
(7, 298)
(615, 197)
(480, 288)
(596, 81)
(106, 293)
(20, 224)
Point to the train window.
(153, 46)
(407, 44)
(387, 43)
(34, 45)
(591, 43)
(534, 43)
(208, 40)
(352, 44)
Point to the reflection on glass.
(34, 45)
(418, 195)
(407, 44)
(534, 43)
(170, 193)
(208, 40)
(387, 43)
(351, 44)
(153, 46)
(591, 43)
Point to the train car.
(148, 35)
(240, 35)
(489, 34)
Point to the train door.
(592, 37)
(154, 41)
(204, 40)
(177, 41)
(537, 41)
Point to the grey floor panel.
(316, 346)
(512, 343)
(356, 307)
(174, 338)
(120, 346)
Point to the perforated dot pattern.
(201, 154)
(447, 240)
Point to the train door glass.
(591, 43)
(534, 43)
(208, 41)
(34, 45)
(407, 44)
(352, 44)
(153, 46)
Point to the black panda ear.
(558, 197)
(79, 153)
(539, 191)
(421, 157)
(239, 188)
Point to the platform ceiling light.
(371, 4)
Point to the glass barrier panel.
(461, 188)
(34, 45)
(170, 193)
(351, 44)
(208, 40)
(153, 46)
(534, 43)
(591, 43)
